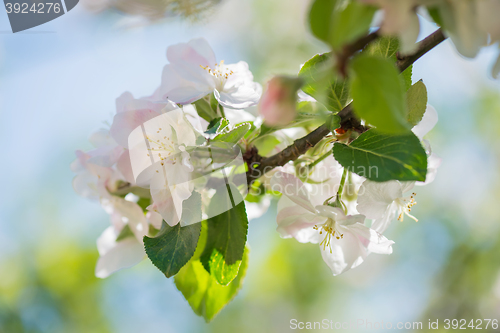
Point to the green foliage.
(227, 232)
(416, 99)
(388, 47)
(381, 157)
(172, 247)
(377, 94)
(205, 110)
(333, 122)
(205, 296)
(338, 22)
(216, 126)
(322, 84)
(216, 265)
(234, 135)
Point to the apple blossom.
(344, 240)
(278, 103)
(383, 201)
(194, 73)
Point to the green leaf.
(205, 296)
(407, 77)
(333, 122)
(322, 83)
(349, 23)
(378, 95)
(214, 263)
(320, 16)
(227, 232)
(204, 109)
(216, 126)
(172, 247)
(416, 99)
(387, 47)
(381, 157)
(234, 135)
(339, 22)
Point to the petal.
(117, 255)
(125, 167)
(429, 120)
(433, 163)
(184, 87)
(101, 138)
(241, 96)
(196, 52)
(344, 254)
(296, 221)
(125, 122)
(291, 187)
(374, 197)
(372, 240)
(154, 219)
(382, 223)
(131, 214)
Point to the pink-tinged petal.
(116, 255)
(105, 156)
(102, 138)
(240, 97)
(125, 167)
(125, 122)
(154, 219)
(429, 120)
(278, 103)
(196, 52)
(374, 197)
(296, 221)
(121, 102)
(373, 241)
(291, 187)
(183, 86)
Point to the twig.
(259, 165)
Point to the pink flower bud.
(278, 103)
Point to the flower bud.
(278, 103)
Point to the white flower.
(400, 20)
(383, 201)
(344, 240)
(160, 161)
(114, 253)
(193, 73)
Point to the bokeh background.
(58, 83)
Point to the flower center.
(162, 147)
(331, 231)
(405, 205)
(220, 74)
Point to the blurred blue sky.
(58, 83)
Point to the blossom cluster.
(148, 165)
(346, 214)
(144, 166)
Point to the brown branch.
(258, 165)
(350, 49)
